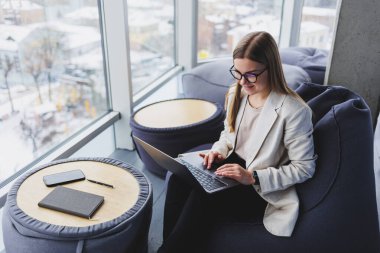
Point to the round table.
(121, 224)
(175, 126)
(175, 113)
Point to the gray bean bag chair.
(312, 60)
(338, 211)
(376, 148)
(210, 81)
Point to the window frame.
(117, 68)
(290, 23)
(80, 138)
(291, 17)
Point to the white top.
(247, 126)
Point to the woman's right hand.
(211, 157)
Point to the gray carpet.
(155, 233)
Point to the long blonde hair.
(262, 48)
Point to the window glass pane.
(151, 35)
(222, 23)
(51, 76)
(317, 26)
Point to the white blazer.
(282, 154)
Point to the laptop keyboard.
(206, 180)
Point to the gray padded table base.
(176, 140)
(126, 233)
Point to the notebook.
(70, 201)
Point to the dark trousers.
(190, 213)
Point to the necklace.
(255, 107)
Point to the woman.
(269, 145)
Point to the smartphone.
(63, 177)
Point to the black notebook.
(72, 201)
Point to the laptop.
(190, 168)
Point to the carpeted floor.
(158, 184)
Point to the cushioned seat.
(312, 60)
(210, 81)
(338, 211)
(376, 157)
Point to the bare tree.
(31, 132)
(42, 54)
(34, 65)
(7, 68)
(49, 61)
(51, 48)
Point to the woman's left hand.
(235, 171)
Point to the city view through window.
(317, 26)
(51, 76)
(222, 23)
(151, 36)
(52, 79)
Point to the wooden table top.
(175, 113)
(117, 200)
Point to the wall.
(355, 58)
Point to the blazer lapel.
(265, 122)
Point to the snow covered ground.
(47, 124)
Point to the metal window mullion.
(291, 22)
(119, 67)
(186, 32)
(296, 23)
(104, 52)
(286, 23)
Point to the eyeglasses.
(250, 77)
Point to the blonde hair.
(262, 48)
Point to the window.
(317, 26)
(151, 35)
(52, 79)
(221, 24)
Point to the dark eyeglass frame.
(245, 74)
